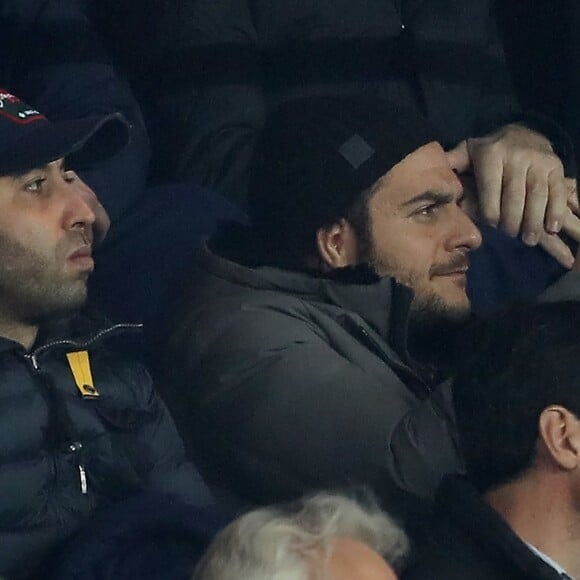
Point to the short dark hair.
(293, 244)
(523, 360)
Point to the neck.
(541, 511)
(18, 331)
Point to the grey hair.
(278, 543)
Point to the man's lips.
(460, 272)
(82, 257)
(457, 266)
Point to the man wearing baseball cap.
(310, 349)
(81, 427)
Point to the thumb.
(458, 158)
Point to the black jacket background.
(468, 539)
(223, 65)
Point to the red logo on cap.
(17, 111)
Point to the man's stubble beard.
(435, 327)
(435, 333)
(32, 287)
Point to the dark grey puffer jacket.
(281, 383)
(290, 383)
(64, 455)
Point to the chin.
(458, 304)
(73, 298)
(436, 306)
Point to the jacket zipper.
(36, 372)
(377, 349)
(79, 344)
(76, 446)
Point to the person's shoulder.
(447, 556)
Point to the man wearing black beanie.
(308, 351)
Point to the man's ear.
(560, 433)
(337, 245)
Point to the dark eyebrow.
(434, 197)
(16, 175)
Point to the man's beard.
(32, 289)
(435, 334)
(435, 327)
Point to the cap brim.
(84, 142)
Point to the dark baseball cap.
(316, 155)
(29, 140)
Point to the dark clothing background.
(469, 540)
(543, 53)
(146, 252)
(148, 537)
(238, 59)
(52, 58)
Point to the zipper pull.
(83, 478)
(33, 361)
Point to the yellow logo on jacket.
(81, 370)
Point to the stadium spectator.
(517, 405)
(292, 365)
(324, 536)
(81, 426)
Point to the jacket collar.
(76, 328)
(382, 303)
(458, 500)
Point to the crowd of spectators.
(298, 356)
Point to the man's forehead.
(424, 170)
(59, 163)
(427, 156)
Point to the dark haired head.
(522, 361)
(315, 163)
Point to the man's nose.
(465, 234)
(78, 213)
(102, 222)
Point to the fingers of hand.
(571, 225)
(515, 199)
(522, 189)
(557, 206)
(545, 205)
(458, 158)
(571, 186)
(553, 244)
(539, 203)
(488, 170)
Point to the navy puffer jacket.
(65, 454)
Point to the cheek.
(411, 250)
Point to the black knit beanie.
(316, 155)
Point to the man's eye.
(35, 185)
(427, 211)
(69, 175)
